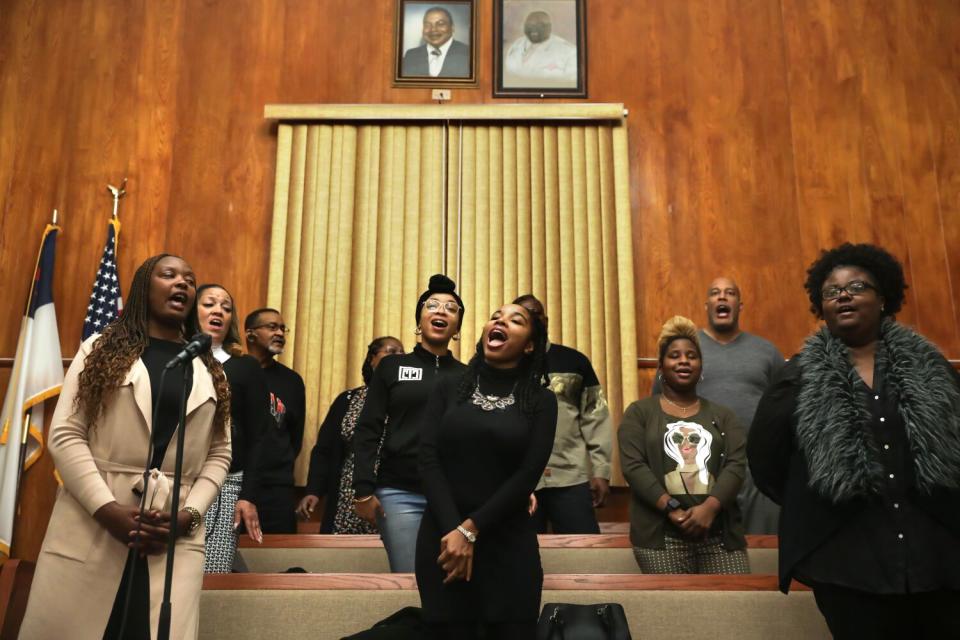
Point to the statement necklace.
(489, 403)
(682, 408)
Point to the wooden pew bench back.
(298, 607)
(559, 554)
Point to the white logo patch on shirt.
(410, 373)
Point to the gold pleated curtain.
(365, 212)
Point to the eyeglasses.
(852, 288)
(692, 438)
(273, 327)
(433, 306)
(391, 350)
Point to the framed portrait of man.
(540, 48)
(435, 43)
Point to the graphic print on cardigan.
(843, 460)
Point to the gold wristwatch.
(196, 519)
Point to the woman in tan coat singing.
(100, 437)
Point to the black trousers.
(276, 506)
(488, 631)
(853, 614)
(138, 614)
(567, 509)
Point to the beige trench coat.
(80, 564)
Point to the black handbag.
(583, 622)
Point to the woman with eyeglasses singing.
(331, 461)
(859, 441)
(684, 459)
(390, 496)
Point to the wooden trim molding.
(555, 582)
(382, 112)
(548, 541)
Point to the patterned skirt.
(220, 535)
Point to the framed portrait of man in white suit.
(540, 48)
(435, 43)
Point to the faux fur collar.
(832, 415)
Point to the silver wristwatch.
(469, 535)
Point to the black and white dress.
(249, 418)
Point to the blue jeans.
(398, 529)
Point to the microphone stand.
(163, 628)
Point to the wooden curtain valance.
(380, 112)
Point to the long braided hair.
(121, 343)
(532, 369)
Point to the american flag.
(105, 300)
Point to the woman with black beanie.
(390, 496)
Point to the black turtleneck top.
(482, 463)
(154, 357)
(396, 399)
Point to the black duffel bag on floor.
(583, 622)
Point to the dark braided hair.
(372, 350)
(532, 369)
(877, 261)
(121, 343)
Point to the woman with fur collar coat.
(859, 441)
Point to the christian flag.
(37, 374)
(105, 302)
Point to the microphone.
(198, 344)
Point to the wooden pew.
(313, 526)
(604, 553)
(318, 606)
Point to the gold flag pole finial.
(117, 193)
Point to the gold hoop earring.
(418, 331)
(456, 336)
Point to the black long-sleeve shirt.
(326, 459)
(249, 418)
(857, 544)
(479, 464)
(284, 438)
(396, 400)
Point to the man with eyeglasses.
(577, 477)
(266, 337)
(737, 368)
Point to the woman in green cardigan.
(684, 459)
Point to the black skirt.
(507, 575)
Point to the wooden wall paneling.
(32, 158)
(930, 296)
(825, 108)
(220, 206)
(760, 132)
(941, 53)
(764, 257)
